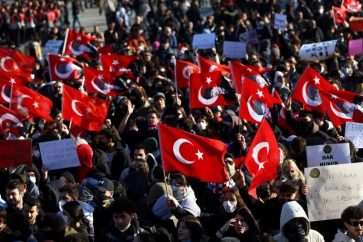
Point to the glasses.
(356, 223)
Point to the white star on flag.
(36, 104)
(260, 93)
(317, 80)
(12, 81)
(100, 77)
(200, 155)
(209, 80)
(79, 38)
(62, 59)
(334, 96)
(115, 62)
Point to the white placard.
(51, 47)
(333, 188)
(59, 154)
(234, 49)
(280, 21)
(204, 41)
(250, 37)
(354, 132)
(329, 154)
(318, 51)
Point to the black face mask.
(295, 233)
(305, 127)
(262, 193)
(101, 145)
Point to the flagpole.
(176, 84)
(11, 95)
(65, 41)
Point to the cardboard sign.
(250, 37)
(234, 49)
(51, 47)
(355, 46)
(354, 132)
(280, 21)
(333, 188)
(59, 154)
(204, 41)
(330, 154)
(318, 51)
(15, 152)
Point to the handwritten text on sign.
(330, 154)
(354, 132)
(333, 188)
(59, 154)
(317, 51)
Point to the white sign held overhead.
(280, 21)
(59, 154)
(317, 51)
(204, 41)
(329, 154)
(354, 132)
(234, 49)
(331, 189)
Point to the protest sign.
(249, 37)
(234, 49)
(354, 132)
(355, 46)
(333, 188)
(51, 47)
(330, 154)
(59, 154)
(317, 51)
(280, 21)
(15, 152)
(204, 41)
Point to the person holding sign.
(352, 217)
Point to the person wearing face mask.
(295, 225)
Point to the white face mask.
(229, 206)
(33, 179)
(178, 192)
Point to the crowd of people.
(121, 192)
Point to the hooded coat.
(292, 210)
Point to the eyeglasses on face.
(356, 223)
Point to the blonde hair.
(292, 163)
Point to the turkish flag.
(10, 121)
(118, 64)
(183, 70)
(240, 71)
(192, 155)
(29, 103)
(339, 14)
(5, 92)
(107, 49)
(87, 112)
(307, 90)
(210, 89)
(13, 61)
(352, 5)
(356, 23)
(255, 102)
(99, 81)
(78, 132)
(206, 65)
(64, 68)
(12, 78)
(263, 157)
(341, 108)
(80, 45)
(15, 152)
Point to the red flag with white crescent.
(206, 65)
(64, 68)
(192, 155)
(183, 70)
(80, 45)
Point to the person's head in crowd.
(32, 209)
(190, 229)
(75, 237)
(123, 213)
(294, 224)
(104, 191)
(52, 228)
(153, 118)
(17, 227)
(159, 102)
(297, 147)
(74, 214)
(138, 96)
(68, 193)
(179, 185)
(106, 139)
(15, 191)
(291, 171)
(67, 178)
(264, 191)
(352, 217)
(232, 200)
(139, 152)
(230, 165)
(172, 115)
(288, 191)
(201, 124)
(305, 122)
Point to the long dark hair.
(197, 233)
